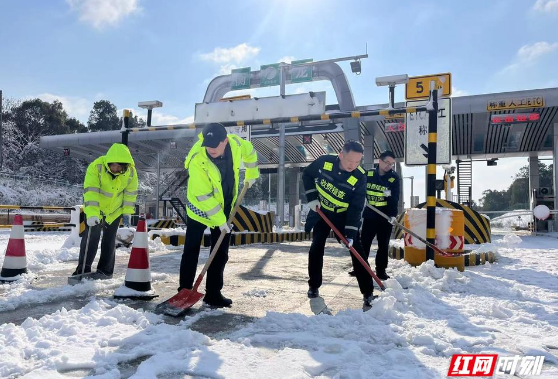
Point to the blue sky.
(81, 51)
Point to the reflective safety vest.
(110, 195)
(376, 192)
(335, 194)
(204, 195)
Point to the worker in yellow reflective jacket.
(110, 190)
(336, 184)
(213, 166)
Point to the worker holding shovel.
(335, 186)
(214, 165)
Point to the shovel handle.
(351, 249)
(220, 240)
(407, 230)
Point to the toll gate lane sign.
(416, 134)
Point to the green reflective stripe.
(371, 173)
(130, 193)
(251, 165)
(91, 189)
(373, 193)
(351, 228)
(332, 199)
(378, 203)
(91, 204)
(213, 211)
(129, 204)
(338, 210)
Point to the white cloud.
(237, 54)
(159, 118)
(529, 53)
(75, 106)
(100, 13)
(226, 69)
(546, 5)
(457, 92)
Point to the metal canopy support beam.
(294, 195)
(533, 178)
(555, 172)
(281, 169)
(368, 161)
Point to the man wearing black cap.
(213, 165)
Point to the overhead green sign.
(301, 73)
(240, 78)
(270, 75)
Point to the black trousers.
(381, 228)
(108, 247)
(189, 262)
(316, 254)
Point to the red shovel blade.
(180, 302)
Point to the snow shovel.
(75, 279)
(393, 222)
(351, 249)
(186, 298)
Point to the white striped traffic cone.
(137, 284)
(15, 261)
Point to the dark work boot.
(313, 292)
(217, 301)
(368, 299)
(382, 274)
(352, 273)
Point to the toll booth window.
(478, 143)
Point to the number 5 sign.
(418, 87)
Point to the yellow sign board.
(517, 103)
(418, 87)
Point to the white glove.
(92, 221)
(249, 182)
(225, 228)
(313, 204)
(349, 244)
(392, 220)
(126, 221)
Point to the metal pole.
(269, 192)
(281, 168)
(158, 181)
(431, 173)
(412, 193)
(1, 140)
(125, 127)
(149, 112)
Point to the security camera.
(392, 80)
(446, 167)
(150, 104)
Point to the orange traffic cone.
(15, 262)
(137, 284)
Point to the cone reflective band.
(15, 261)
(138, 275)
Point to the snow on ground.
(507, 308)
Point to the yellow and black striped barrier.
(247, 220)
(477, 226)
(162, 224)
(238, 239)
(43, 208)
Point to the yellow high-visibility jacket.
(110, 195)
(204, 195)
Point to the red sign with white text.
(472, 364)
